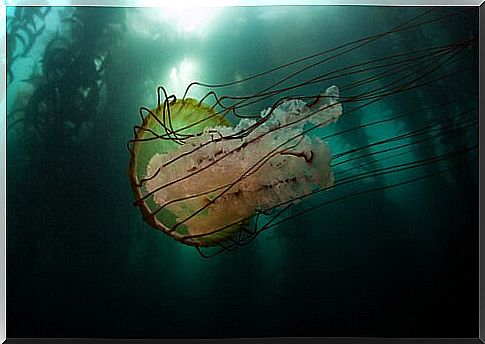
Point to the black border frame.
(343, 340)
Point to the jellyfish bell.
(206, 188)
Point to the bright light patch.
(186, 3)
(184, 21)
(181, 76)
(196, 21)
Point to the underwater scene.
(271, 171)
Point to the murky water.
(390, 254)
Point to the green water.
(383, 259)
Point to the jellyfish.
(210, 176)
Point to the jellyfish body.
(205, 181)
(207, 189)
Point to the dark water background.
(81, 262)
